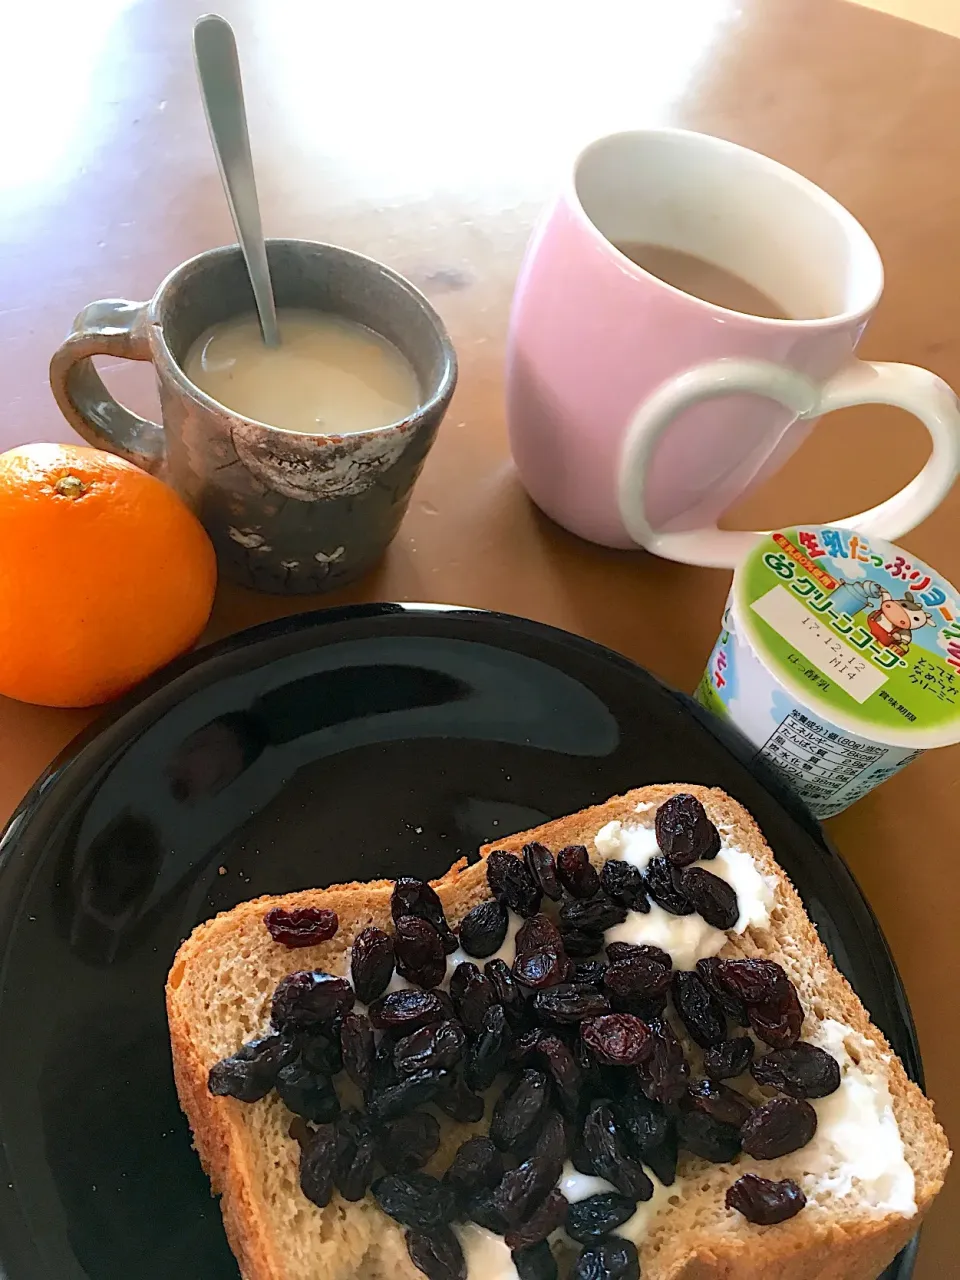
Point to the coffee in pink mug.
(685, 312)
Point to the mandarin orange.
(105, 575)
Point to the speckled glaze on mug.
(287, 512)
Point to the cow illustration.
(895, 620)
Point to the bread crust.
(809, 1247)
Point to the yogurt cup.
(839, 659)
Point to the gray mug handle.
(110, 327)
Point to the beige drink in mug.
(329, 375)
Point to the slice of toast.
(218, 996)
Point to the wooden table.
(429, 135)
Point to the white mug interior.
(737, 209)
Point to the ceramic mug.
(639, 413)
(287, 511)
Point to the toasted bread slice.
(218, 996)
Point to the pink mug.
(639, 413)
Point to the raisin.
(535, 1263)
(661, 885)
(684, 832)
(643, 1124)
(701, 1012)
(440, 1044)
(249, 1074)
(358, 1049)
(384, 1072)
(608, 1156)
(437, 1254)
(753, 981)
(619, 1039)
(406, 1009)
(480, 1209)
(519, 1110)
(599, 1215)
(419, 952)
(417, 898)
(590, 971)
(728, 1058)
(733, 1006)
(458, 1101)
(536, 933)
(356, 1155)
(300, 1131)
(623, 882)
(522, 1188)
(308, 1095)
(708, 1138)
(551, 1143)
(447, 1004)
(539, 969)
(765, 1202)
(371, 963)
(576, 872)
(488, 1054)
(301, 926)
(778, 1127)
(304, 999)
(472, 995)
(778, 1023)
(582, 943)
(637, 982)
(320, 1050)
(549, 1215)
(581, 1161)
(570, 1002)
(805, 1071)
(543, 870)
(317, 1165)
(613, 1259)
(591, 1076)
(620, 951)
(594, 916)
(720, 1102)
(563, 1070)
(416, 1200)
(483, 929)
(505, 989)
(477, 1166)
(666, 1072)
(511, 883)
(408, 1143)
(407, 1094)
(662, 1160)
(713, 898)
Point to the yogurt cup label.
(839, 659)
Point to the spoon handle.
(218, 69)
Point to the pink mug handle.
(908, 387)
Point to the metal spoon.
(218, 69)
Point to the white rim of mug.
(209, 402)
(908, 740)
(853, 229)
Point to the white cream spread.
(486, 1254)
(857, 1148)
(686, 938)
(580, 1186)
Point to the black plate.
(346, 744)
